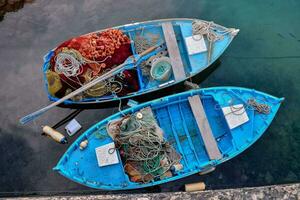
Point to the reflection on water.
(265, 56)
(11, 6)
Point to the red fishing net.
(101, 52)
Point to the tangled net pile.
(143, 43)
(101, 45)
(84, 58)
(93, 49)
(146, 155)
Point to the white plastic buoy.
(139, 115)
(176, 167)
(55, 135)
(83, 144)
(200, 186)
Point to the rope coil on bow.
(251, 104)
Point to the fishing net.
(146, 155)
(142, 42)
(82, 59)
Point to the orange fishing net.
(101, 52)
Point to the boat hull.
(193, 64)
(81, 166)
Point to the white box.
(195, 44)
(72, 127)
(107, 155)
(235, 115)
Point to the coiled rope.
(212, 31)
(259, 107)
(251, 104)
(69, 62)
(141, 145)
(205, 28)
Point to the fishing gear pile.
(82, 59)
(146, 155)
(142, 42)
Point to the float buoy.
(55, 135)
(192, 187)
(176, 167)
(206, 171)
(83, 144)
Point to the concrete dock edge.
(289, 191)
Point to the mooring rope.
(251, 104)
(259, 107)
(212, 31)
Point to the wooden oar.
(114, 71)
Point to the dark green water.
(264, 56)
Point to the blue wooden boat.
(197, 123)
(172, 33)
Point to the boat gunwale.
(90, 101)
(96, 126)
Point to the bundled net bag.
(146, 155)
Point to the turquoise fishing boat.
(190, 132)
(185, 48)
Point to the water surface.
(264, 56)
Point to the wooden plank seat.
(173, 50)
(205, 130)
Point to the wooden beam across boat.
(173, 50)
(205, 130)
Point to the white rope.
(70, 64)
(212, 31)
(67, 64)
(251, 104)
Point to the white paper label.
(195, 44)
(107, 155)
(235, 115)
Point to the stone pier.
(280, 192)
